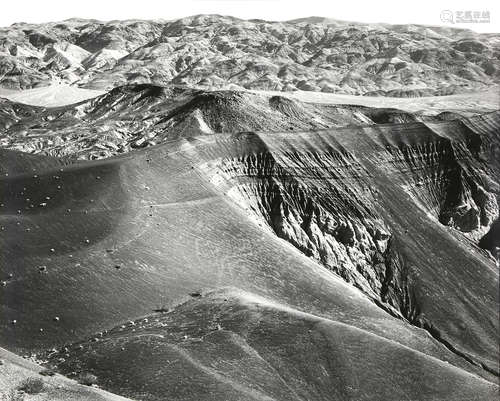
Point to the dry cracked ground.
(220, 209)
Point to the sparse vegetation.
(31, 385)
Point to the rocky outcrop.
(324, 201)
(334, 227)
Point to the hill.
(136, 116)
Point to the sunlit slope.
(51, 96)
(234, 345)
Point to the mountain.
(188, 211)
(219, 52)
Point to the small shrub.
(31, 385)
(87, 379)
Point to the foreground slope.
(234, 345)
(295, 220)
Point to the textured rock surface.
(215, 52)
(324, 201)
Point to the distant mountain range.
(220, 52)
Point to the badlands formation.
(212, 51)
(208, 209)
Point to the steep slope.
(213, 51)
(117, 238)
(352, 210)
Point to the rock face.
(212, 51)
(333, 227)
(324, 201)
